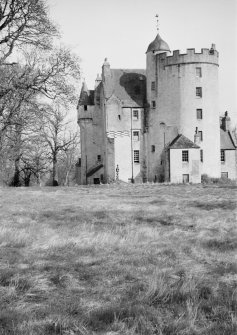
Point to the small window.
(222, 155)
(136, 157)
(201, 155)
(199, 114)
(85, 107)
(198, 92)
(153, 85)
(135, 135)
(153, 148)
(153, 104)
(119, 117)
(99, 158)
(135, 114)
(200, 135)
(185, 155)
(198, 72)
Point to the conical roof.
(158, 45)
(86, 96)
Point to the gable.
(182, 142)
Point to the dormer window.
(85, 107)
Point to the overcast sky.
(122, 29)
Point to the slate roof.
(129, 86)
(86, 96)
(227, 142)
(182, 142)
(158, 45)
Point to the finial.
(157, 22)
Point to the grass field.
(126, 259)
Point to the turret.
(86, 100)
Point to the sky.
(121, 30)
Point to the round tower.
(84, 118)
(182, 91)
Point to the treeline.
(38, 81)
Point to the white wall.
(178, 168)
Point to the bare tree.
(55, 130)
(22, 23)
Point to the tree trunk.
(54, 172)
(16, 178)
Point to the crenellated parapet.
(206, 56)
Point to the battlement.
(209, 56)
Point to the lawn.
(118, 259)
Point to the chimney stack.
(196, 137)
(226, 122)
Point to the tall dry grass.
(118, 259)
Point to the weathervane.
(157, 22)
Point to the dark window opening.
(119, 117)
(153, 103)
(185, 155)
(85, 107)
(200, 134)
(153, 148)
(96, 181)
(99, 158)
(201, 155)
(136, 157)
(199, 114)
(135, 114)
(136, 135)
(153, 85)
(198, 92)
(222, 155)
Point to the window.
(153, 104)
(135, 114)
(198, 72)
(85, 107)
(198, 92)
(201, 155)
(185, 155)
(185, 178)
(135, 135)
(200, 135)
(99, 158)
(153, 148)
(119, 117)
(153, 85)
(136, 156)
(222, 155)
(199, 114)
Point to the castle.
(158, 124)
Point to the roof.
(182, 142)
(158, 45)
(127, 85)
(227, 142)
(86, 96)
